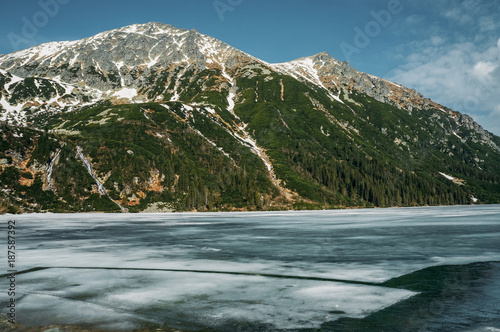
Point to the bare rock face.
(340, 77)
(121, 58)
(345, 77)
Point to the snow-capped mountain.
(120, 63)
(19, 96)
(137, 63)
(134, 63)
(123, 58)
(284, 132)
(341, 79)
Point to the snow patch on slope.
(12, 81)
(40, 52)
(212, 143)
(303, 69)
(127, 93)
(12, 112)
(232, 89)
(455, 180)
(50, 169)
(256, 150)
(88, 166)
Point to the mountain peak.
(132, 46)
(124, 58)
(153, 28)
(324, 55)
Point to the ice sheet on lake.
(354, 245)
(367, 245)
(108, 297)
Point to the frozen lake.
(405, 269)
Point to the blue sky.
(449, 50)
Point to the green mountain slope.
(325, 154)
(223, 131)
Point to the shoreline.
(252, 211)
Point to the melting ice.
(219, 270)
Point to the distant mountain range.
(150, 117)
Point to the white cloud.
(437, 40)
(487, 23)
(454, 57)
(459, 16)
(460, 76)
(483, 69)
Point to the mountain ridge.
(334, 76)
(309, 133)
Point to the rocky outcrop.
(340, 76)
(125, 57)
